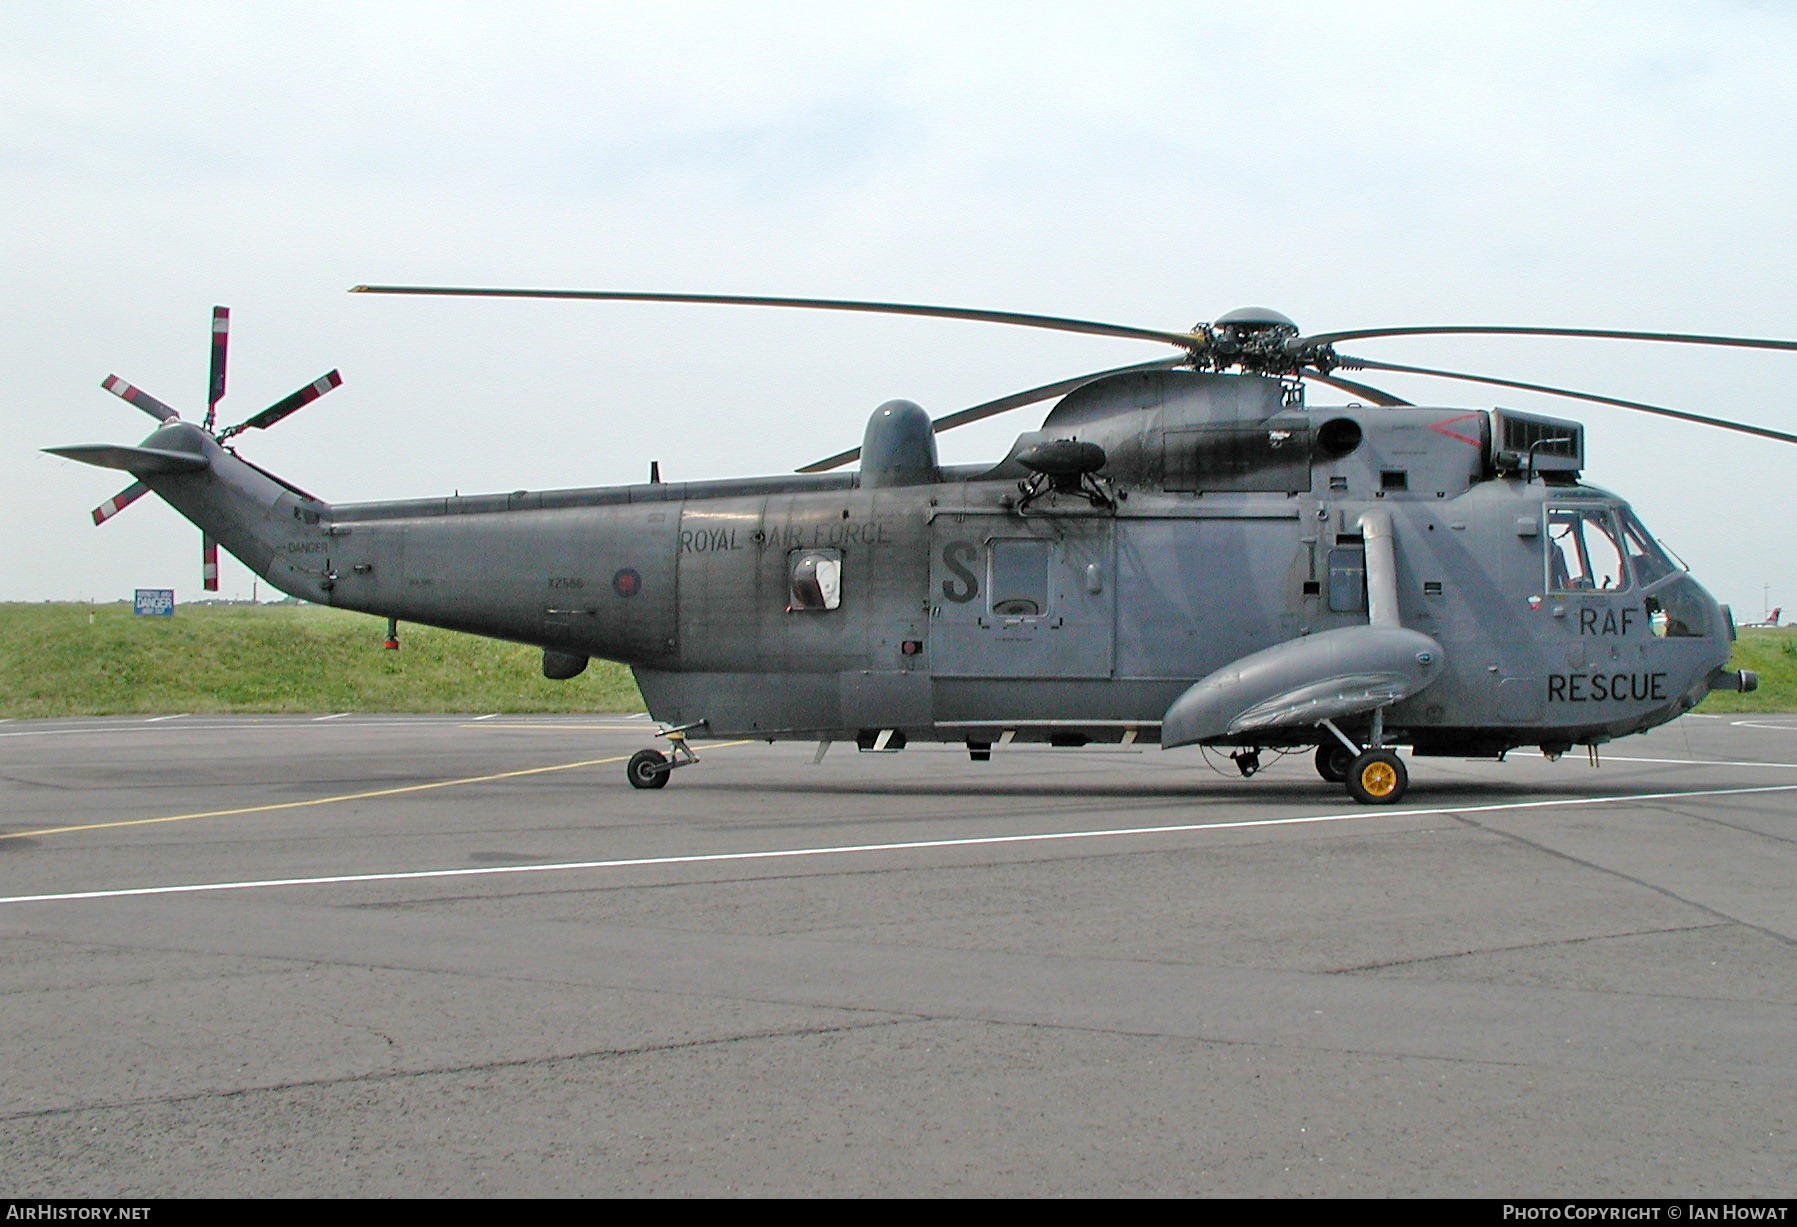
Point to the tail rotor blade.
(287, 405)
(221, 340)
(208, 562)
(118, 502)
(140, 398)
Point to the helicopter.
(1184, 553)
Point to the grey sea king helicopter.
(1183, 553)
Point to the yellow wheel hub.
(1379, 779)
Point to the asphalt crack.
(451, 1070)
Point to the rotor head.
(1253, 339)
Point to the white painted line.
(713, 858)
(333, 716)
(159, 719)
(488, 716)
(1695, 762)
(1754, 724)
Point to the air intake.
(1532, 442)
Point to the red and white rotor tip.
(221, 339)
(138, 397)
(118, 502)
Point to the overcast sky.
(1586, 165)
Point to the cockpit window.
(1584, 551)
(1678, 611)
(1649, 561)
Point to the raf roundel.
(627, 582)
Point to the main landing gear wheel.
(1377, 777)
(1333, 762)
(649, 769)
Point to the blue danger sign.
(154, 603)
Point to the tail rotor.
(215, 392)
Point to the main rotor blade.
(118, 502)
(1047, 391)
(1003, 404)
(1185, 340)
(1681, 415)
(831, 462)
(288, 404)
(138, 397)
(221, 339)
(1357, 389)
(1682, 338)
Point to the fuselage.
(960, 611)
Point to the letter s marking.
(955, 556)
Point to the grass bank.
(81, 660)
(55, 661)
(1773, 655)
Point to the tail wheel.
(648, 769)
(1377, 777)
(1333, 761)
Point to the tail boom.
(277, 532)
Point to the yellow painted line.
(562, 728)
(349, 796)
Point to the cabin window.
(1019, 578)
(1584, 551)
(1347, 580)
(816, 579)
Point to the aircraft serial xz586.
(1183, 553)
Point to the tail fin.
(276, 529)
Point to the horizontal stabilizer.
(1304, 681)
(142, 461)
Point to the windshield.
(1598, 547)
(1648, 560)
(1584, 550)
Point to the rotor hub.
(1256, 340)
